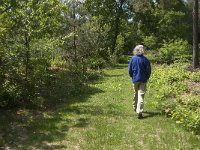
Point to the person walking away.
(139, 69)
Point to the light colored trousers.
(138, 100)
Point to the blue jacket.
(139, 68)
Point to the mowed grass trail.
(101, 118)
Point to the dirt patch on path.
(194, 87)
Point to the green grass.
(99, 118)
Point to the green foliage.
(98, 117)
(166, 78)
(174, 50)
(195, 76)
(112, 18)
(120, 45)
(123, 59)
(173, 25)
(187, 114)
(39, 38)
(171, 96)
(8, 94)
(97, 63)
(119, 49)
(151, 42)
(38, 101)
(161, 21)
(26, 49)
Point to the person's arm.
(130, 70)
(148, 69)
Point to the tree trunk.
(27, 58)
(195, 57)
(117, 26)
(74, 38)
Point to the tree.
(26, 29)
(112, 17)
(195, 57)
(159, 20)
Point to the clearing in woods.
(99, 118)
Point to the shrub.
(174, 50)
(171, 93)
(123, 59)
(151, 42)
(187, 114)
(195, 76)
(97, 63)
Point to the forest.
(52, 51)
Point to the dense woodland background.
(48, 44)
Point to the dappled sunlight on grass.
(98, 117)
(42, 129)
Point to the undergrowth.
(176, 93)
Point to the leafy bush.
(174, 50)
(97, 63)
(171, 93)
(170, 83)
(151, 42)
(195, 76)
(8, 94)
(119, 45)
(123, 59)
(187, 114)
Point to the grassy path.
(102, 119)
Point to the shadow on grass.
(113, 75)
(148, 114)
(109, 110)
(120, 66)
(44, 128)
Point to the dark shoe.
(139, 116)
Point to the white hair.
(138, 50)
